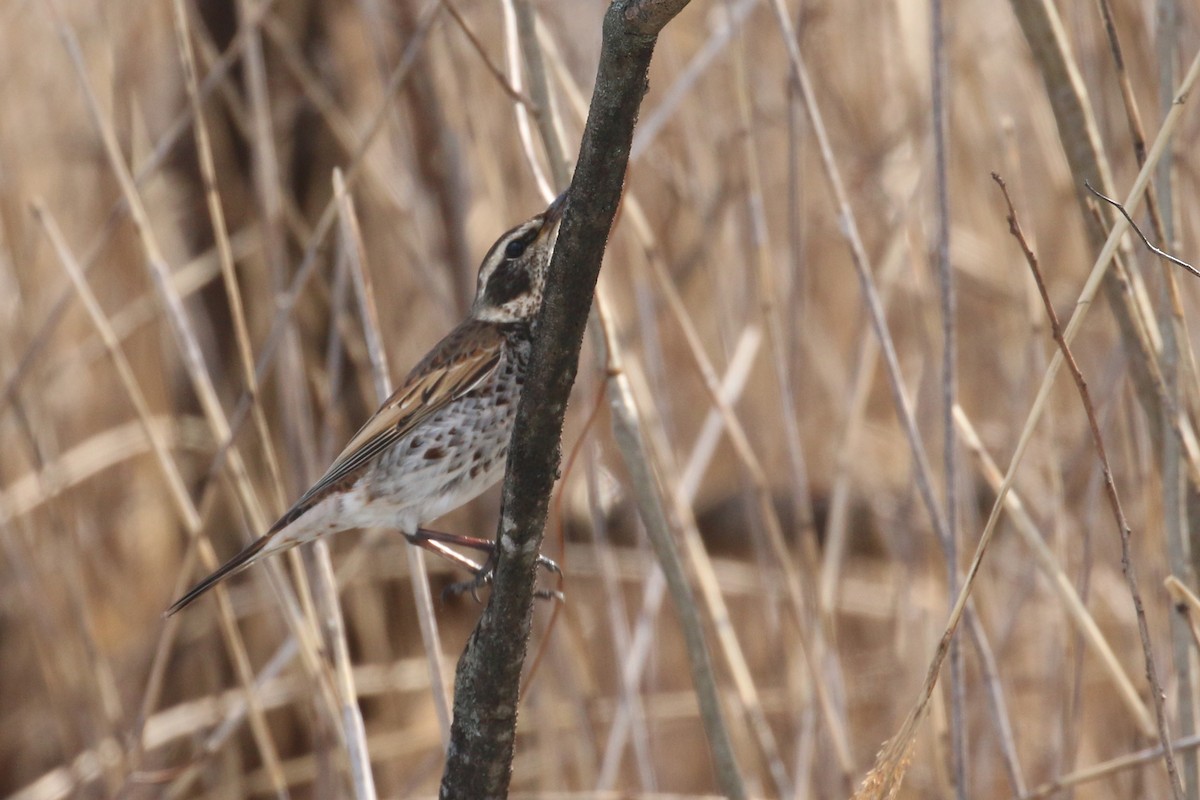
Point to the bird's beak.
(553, 214)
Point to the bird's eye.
(515, 248)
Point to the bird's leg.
(425, 535)
(436, 547)
(436, 541)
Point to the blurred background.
(200, 252)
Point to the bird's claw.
(550, 565)
(481, 578)
(486, 574)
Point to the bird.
(441, 439)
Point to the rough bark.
(479, 761)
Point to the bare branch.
(482, 737)
(1161, 253)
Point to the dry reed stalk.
(191, 516)
(903, 404)
(802, 583)
(355, 733)
(202, 384)
(890, 765)
(1118, 512)
(943, 526)
(712, 592)
(191, 718)
(355, 255)
(628, 428)
(701, 456)
(1087, 295)
(948, 307)
(292, 646)
(610, 708)
(1108, 769)
(901, 399)
(186, 337)
(383, 389)
(1081, 142)
(628, 431)
(1046, 561)
(97, 454)
(866, 360)
(512, 54)
(1177, 353)
(120, 209)
(1187, 604)
(189, 279)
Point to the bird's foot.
(486, 573)
(436, 541)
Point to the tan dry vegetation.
(95, 545)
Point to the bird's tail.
(235, 564)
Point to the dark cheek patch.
(506, 285)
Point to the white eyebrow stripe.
(496, 254)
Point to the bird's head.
(513, 272)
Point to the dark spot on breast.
(477, 455)
(417, 443)
(434, 453)
(474, 471)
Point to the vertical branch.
(1180, 498)
(958, 731)
(485, 702)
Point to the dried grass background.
(739, 222)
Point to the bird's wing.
(456, 365)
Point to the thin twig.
(1158, 252)
(1110, 490)
(1177, 353)
(1129, 99)
(512, 91)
